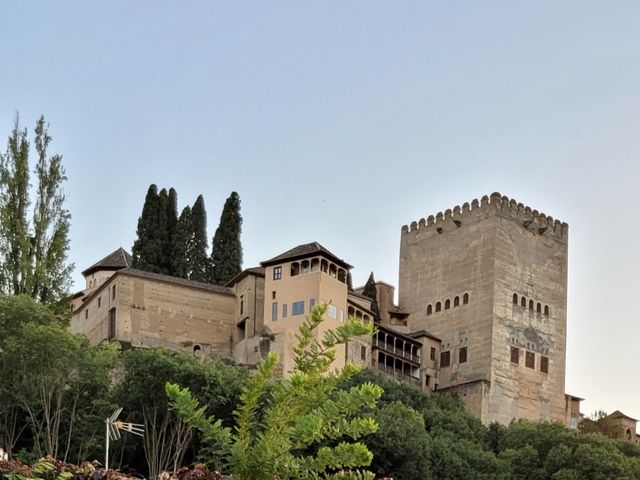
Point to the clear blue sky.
(341, 121)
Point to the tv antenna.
(113, 431)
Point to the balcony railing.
(397, 374)
(391, 348)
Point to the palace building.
(481, 309)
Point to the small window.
(546, 310)
(196, 350)
(438, 307)
(297, 308)
(445, 359)
(515, 355)
(456, 301)
(274, 311)
(530, 304)
(242, 330)
(539, 308)
(523, 302)
(284, 310)
(432, 354)
(530, 360)
(86, 313)
(113, 292)
(273, 295)
(111, 334)
(363, 352)
(465, 298)
(332, 311)
(99, 301)
(427, 379)
(429, 309)
(305, 266)
(241, 304)
(277, 273)
(544, 364)
(462, 355)
(515, 298)
(295, 269)
(447, 304)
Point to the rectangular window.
(242, 330)
(427, 379)
(113, 292)
(284, 310)
(241, 304)
(274, 311)
(462, 355)
(332, 311)
(99, 301)
(297, 308)
(363, 352)
(530, 360)
(445, 359)
(273, 295)
(277, 273)
(112, 324)
(86, 313)
(432, 355)
(515, 355)
(544, 364)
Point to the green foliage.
(197, 253)
(603, 424)
(33, 241)
(300, 427)
(180, 257)
(148, 248)
(226, 248)
(370, 291)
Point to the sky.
(339, 122)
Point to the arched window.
(456, 301)
(295, 269)
(447, 304)
(342, 275)
(324, 266)
(530, 304)
(438, 306)
(539, 308)
(515, 298)
(333, 271)
(523, 302)
(465, 298)
(197, 351)
(429, 310)
(305, 266)
(546, 309)
(314, 264)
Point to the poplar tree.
(147, 250)
(33, 242)
(198, 251)
(226, 254)
(370, 291)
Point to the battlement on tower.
(531, 219)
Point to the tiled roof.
(258, 271)
(133, 272)
(114, 261)
(424, 333)
(306, 250)
(618, 414)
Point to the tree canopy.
(34, 223)
(226, 248)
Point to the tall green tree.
(148, 248)
(180, 261)
(197, 252)
(371, 292)
(33, 241)
(171, 226)
(226, 249)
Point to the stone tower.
(490, 279)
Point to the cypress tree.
(147, 250)
(370, 291)
(226, 254)
(198, 252)
(180, 264)
(171, 214)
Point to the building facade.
(481, 310)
